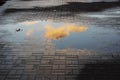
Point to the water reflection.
(29, 23)
(62, 31)
(29, 32)
(53, 31)
(64, 35)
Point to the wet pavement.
(56, 40)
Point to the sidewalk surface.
(29, 58)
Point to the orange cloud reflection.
(29, 23)
(63, 31)
(29, 32)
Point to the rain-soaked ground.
(56, 40)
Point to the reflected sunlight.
(29, 23)
(63, 31)
(29, 32)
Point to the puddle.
(56, 33)
(63, 35)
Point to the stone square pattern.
(60, 65)
(28, 61)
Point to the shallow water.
(64, 35)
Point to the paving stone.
(2, 61)
(61, 77)
(38, 78)
(19, 71)
(75, 62)
(60, 62)
(60, 53)
(58, 72)
(29, 67)
(72, 67)
(3, 66)
(38, 54)
(12, 72)
(9, 61)
(46, 61)
(29, 72)
(62, 67)
(9, 66)
(32, 62)
(47, 57)
(56, 57)
(72, 57)
(31, 77)
(27, 60)
(2, 77)
(40, 72)
(68, 62)
(11, 79)
(68, 71)
(83, 61)
(62, 57)
(18, 61)
(24, 77)
(75, 71)
(4, 72)
(9, 57)
(13, 76)
(70, 77)
(18, 67)
(55, 67)
(47, 72)
(45, 67)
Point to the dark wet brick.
(2, 77)
(24, 77)
(4, 72)
(63, 65)
(13, 76)
(58, 72)
(45, 67)
(60, 62)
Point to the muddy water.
(64, 35)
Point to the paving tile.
(69, 71)
(2, 77)
(62, 67)
(29, 67)
(4, 72)
(60, 62)
(68, 62)
(47, 57)
(72, 67)
(38, 78)
(18, 67)
(54, 77)
(75, 71)
(11, 79)
(28, 61)
(19, 71)
(12, 72)
(29, 72)
(31, 77)
(58, 72)
(70, 77)
(55, 67)
(46, 61)
(61, 77)
(45, 67)
(24, 77)
(62, 57)
(13, 76)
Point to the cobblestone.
(27, 60)
(45, 67)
